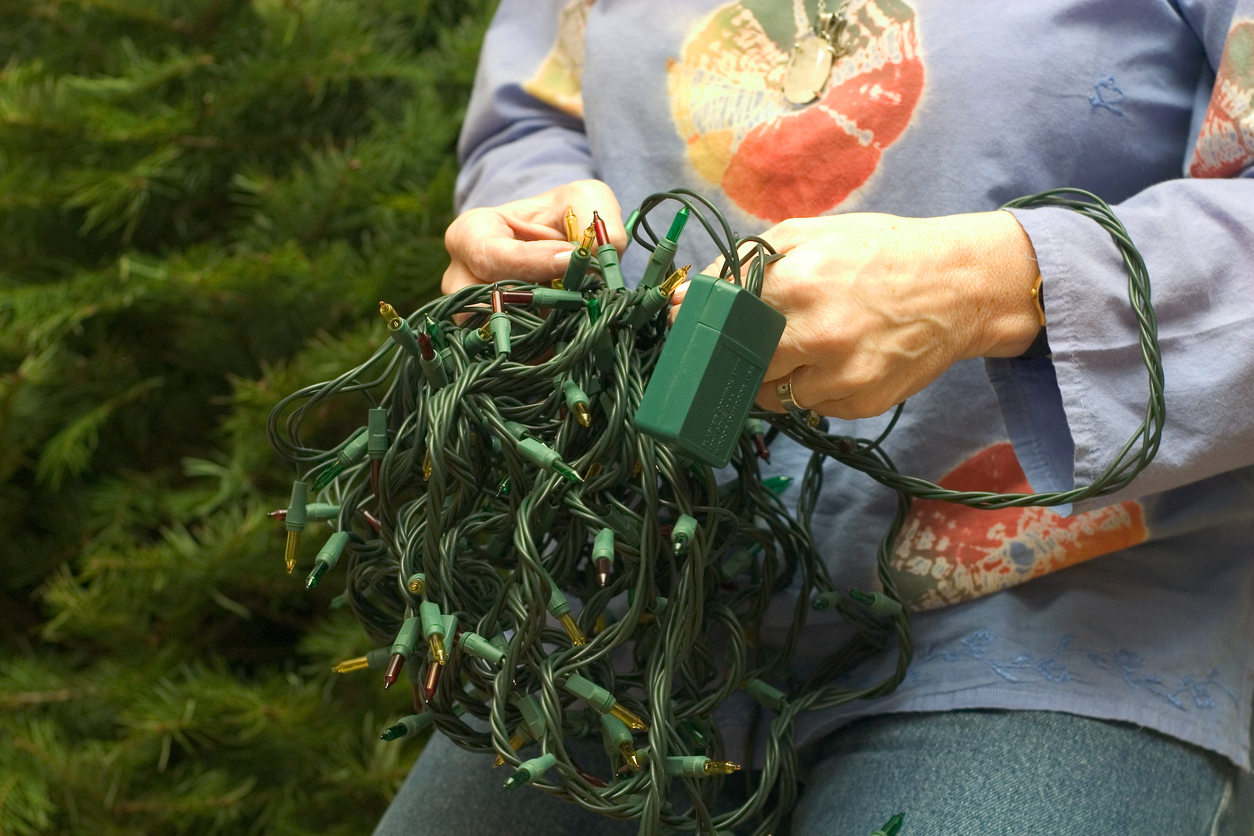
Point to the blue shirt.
(1139, 604)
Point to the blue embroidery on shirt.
(1049, 667)
(1107, 94)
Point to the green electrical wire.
(491, 557)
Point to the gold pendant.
(809, 67)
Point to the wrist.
(1007, 317)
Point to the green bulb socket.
(545, 513)
(766, 695)
(755, 426)
(649, 306)
(599, 699)
(876, 602)
(408, 726)
(603, 545)
(333, 548)
(529, 707)
(686, 766)
(616, 730)
(625, 524)
(403, 335)
(416, 583)
(296, 510)
(659, 603)
(547, 297)
(450, 630)
(435, 371)
(377, 433)
(558, 605)
(737, 564)
(498, 544)
(547, 459)
(630, 225)
(660, 263)
(327, 557)
(597, 393)
(603, 352)
(476, 645)
(573, 394)
(472, 343)
(610, 271)
(517, 431)
(500, 325)
(529, 771)
(824, 601)
(577, 269)
(321, 511)
(407, 638)
(681, 535)
(432, 619)
(377, 659)
(413, 667)
(355, 450)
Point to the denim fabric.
(450, 791)
(1018, 773)
(962, 773)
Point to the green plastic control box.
(710, 370)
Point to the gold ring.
(783, 391)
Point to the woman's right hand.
(526, 239)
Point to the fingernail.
(562, 257)
(678, 295)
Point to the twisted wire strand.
(671, 636)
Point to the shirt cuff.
(1031, 407)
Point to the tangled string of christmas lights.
(571, 576)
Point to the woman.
(1112, 696)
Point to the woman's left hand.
(878, 306)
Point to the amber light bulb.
(585, 243)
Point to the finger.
(806, 383)
(456, 276)
(588, 196)
(767, 399)
(677, 296)
(715, 268)
(789, 234)
(499, 259)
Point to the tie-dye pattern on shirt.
(727, 100)
(948, 553)
(1225, 146)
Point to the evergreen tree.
(201, 203)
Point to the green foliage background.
(201, 203)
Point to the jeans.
(958, 773)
